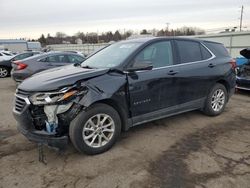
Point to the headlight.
(52, 97)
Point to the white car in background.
(5, 55)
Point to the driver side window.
(158, 54)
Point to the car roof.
(44, 55)
(148, 39)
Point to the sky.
(31, 18)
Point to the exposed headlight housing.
(53, 97)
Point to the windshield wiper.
(116, 70)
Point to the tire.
(83, 129)
(4, 72)
(212, 100)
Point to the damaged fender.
(107, 91)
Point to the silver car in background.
(25, 68)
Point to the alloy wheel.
(3, 72)
(218, 100)
(98, 130)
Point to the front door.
(153, 90)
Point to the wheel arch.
(121, 111)
(225, 83)
(5, 66)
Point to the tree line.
(93, 37)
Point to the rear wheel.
(4, 72)
(95, 130)
(216, 100)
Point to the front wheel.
(216, 100)
(95, 130)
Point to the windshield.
(111, 56)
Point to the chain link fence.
(84, 48)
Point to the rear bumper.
(18, 76)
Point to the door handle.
(211, 65)
(172, 72)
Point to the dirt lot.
(189, 150)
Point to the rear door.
(153, 90)
(195, 70)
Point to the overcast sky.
(31, 18)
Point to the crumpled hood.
(55, 78)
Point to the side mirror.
(140, 66)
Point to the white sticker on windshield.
(126, 46)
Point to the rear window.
(217, 48)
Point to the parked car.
(243, 73)
(5, 55)
(27, 67)
(5, 66)
(123, 85)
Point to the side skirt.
(163, 113)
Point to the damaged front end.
(44, 117)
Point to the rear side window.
(205, 53)
(217, 48)
(189, 51)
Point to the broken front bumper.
(46, 139)
(25, 125)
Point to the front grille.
(21, 100)
(20, 103)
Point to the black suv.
(125, 84)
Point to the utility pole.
(166, 33)
(241, 16)
(167, 25)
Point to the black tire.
(4, 72)
(208, 109)
(77, 125)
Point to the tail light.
(233, 64)
(20, 65)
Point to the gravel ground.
(188, 150)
